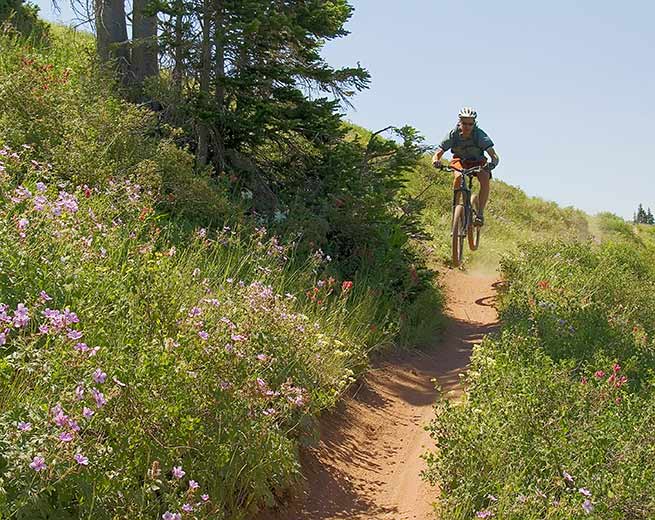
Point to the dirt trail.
(367, 464)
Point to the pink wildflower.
(81, 459)
(99, 376)
(38, 464)
(99, 398)
(66, 436)
(82, 347)
(24, 426)
(74, 334)
(21, 316)
(178, 472)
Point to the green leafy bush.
(559, 414)
(22, 17)
(53, 100)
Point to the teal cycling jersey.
(471, 148)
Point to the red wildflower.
(621, 381)
(599, 374)
(583, 380)
(346, 286)
(144, 213)
(616, 367)
(543, 284)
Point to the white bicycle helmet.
(468, 112)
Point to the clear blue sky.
(565, 89)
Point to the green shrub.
(560, 408)
(53, 100)
(22, 17)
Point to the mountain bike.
(465, 208)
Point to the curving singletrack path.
(367, 464)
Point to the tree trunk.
(145, 62)
(178, 65)
(202, 154)
(111, 29)
(219, 94)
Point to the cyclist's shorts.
(462, 164)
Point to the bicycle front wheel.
(458, 235)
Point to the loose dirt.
(368, 462)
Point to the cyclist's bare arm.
(494, 156)
(436, 158)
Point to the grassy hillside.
(511, 217)
(161, 351)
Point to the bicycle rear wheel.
(458, 235)
(474, 231)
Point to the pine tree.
(265, 81)
(649, 217)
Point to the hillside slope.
(512, 217)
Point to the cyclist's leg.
(483, 197)
(457, 177)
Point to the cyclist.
(468, 143)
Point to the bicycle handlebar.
(466, 171)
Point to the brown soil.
(368, 462)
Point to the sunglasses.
(467, 124)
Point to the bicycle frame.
(462, 221)
(465, 190)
